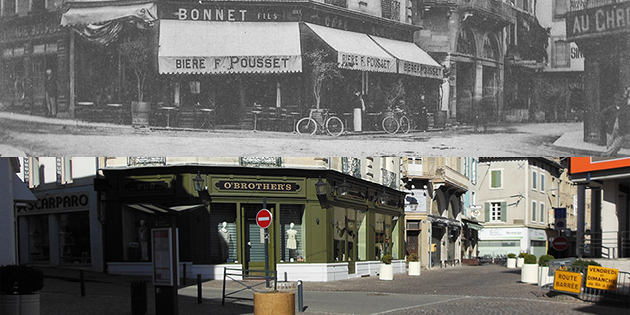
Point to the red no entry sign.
(560, 243)
(263, 218)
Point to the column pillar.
(596, 222)
(579, 243)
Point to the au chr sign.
(604, 20)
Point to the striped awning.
(204, 47)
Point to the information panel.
(161, 239)
(602, 278)
(567, 281)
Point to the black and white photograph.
(169, 157)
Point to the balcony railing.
(577, 5)
(496, 8)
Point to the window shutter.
(487, 211)
(504, 211)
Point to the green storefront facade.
(340, 233)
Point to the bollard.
(138, 297)
(198, 288)
(82, 279)
(300, 297)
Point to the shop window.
(496, 179)
(13, 77)
(224, 234)
(74, 238)
(361, 232)
(382, 234)
(291, 229)
(39, 246)
(136, 235)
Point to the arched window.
(490, 48)
(466, 42)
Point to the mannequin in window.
(224, 240)
(291, 241)
(142, 237)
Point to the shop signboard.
(591, 164)
(58, 202)
(567, 281)
(226, 13)
(602, 20)
(602, 278)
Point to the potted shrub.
(520, 260)
(543, 270)
(18, 284)
(529, 273)
(414, 265)
(387, 269)
(511, 261)
(138, 55)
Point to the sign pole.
(266, 248)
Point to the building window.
(466, 42)
(490, 48)
(64, 170)
(496, 179)
(534, 210)
(542, 182)
(534, 180)
(560, 52)
(560, 8)
(389, 178)
(9, 7)
(146, 161)
(291, 217)
(261, 161)
(351, 166)
(473, 179)
(542, 213)
(495, 211)
(390, 9)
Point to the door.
(412, 242)
(254, 257)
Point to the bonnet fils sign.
(614, 18)
(567, 281)
(256, 186)
(602, 278)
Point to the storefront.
(502, 241)
(317, 237)
(601, 32)
(217, 58)
(62, 228)
(28, 47)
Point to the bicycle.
(333, 125)
(395, 121)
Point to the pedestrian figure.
(423, 119)
(51, 94)
(621, 124)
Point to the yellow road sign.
(602, 278)
(567, 281)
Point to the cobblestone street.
(467, 289)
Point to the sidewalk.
(575, 141)
(454, 290)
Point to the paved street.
(39, 136)
(468, 289)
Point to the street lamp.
(343, 188)
(320, 187)
(382, 198)
(198, 181)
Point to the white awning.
(412, 59)
(156, 209)
(355, 51)
(90, 12)
(229, 47)
(21, 193)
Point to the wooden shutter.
(504, 211)
(487, 211)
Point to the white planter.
(511, 263)
(543, 276)
(414, 268)
(520, 261)
(19, 304)
(529, 273)
(386, 272)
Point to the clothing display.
(224, 235)
(291, 239)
